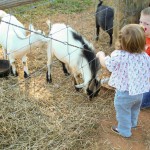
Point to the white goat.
(14, 40)
(75, 52)
(11, 19)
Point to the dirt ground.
(136, 141)
(35, 115)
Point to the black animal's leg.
(48, 78)
(97, 32)
(13, 69)
(48, 73)
(111, 38)
(26, 72)
(25, 75)
(65, 69)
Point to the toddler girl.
(130, 73)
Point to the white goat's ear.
(80, 85)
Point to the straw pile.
(39, 116)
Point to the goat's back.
(104, 17)
(65, 48)
(11, 23)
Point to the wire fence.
(46, 37)
(37, 115)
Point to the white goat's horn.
(49, 24)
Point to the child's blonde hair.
(146, 11)
(131, 38)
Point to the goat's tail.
(49, 24)
(100, 3)
(2, 13)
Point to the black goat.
(104, 19)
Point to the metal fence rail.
(4, 4)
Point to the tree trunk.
(126, 12)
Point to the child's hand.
(100, 54)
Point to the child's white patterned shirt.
(130, 72)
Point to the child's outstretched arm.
(101, 56)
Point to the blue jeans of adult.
(127, 111)
(146, 100)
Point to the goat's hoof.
(67, 74)
(26, 75)
(96, 38)
(14, 74)
(78, 89)
(90, 98)
(49, 80)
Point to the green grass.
(46, 7)
(70, 6)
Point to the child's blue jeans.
(146, 100)
(127, 110)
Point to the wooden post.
(4, 4)
(126, 12)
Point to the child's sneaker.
(115, 130)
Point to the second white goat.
(77, 54)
